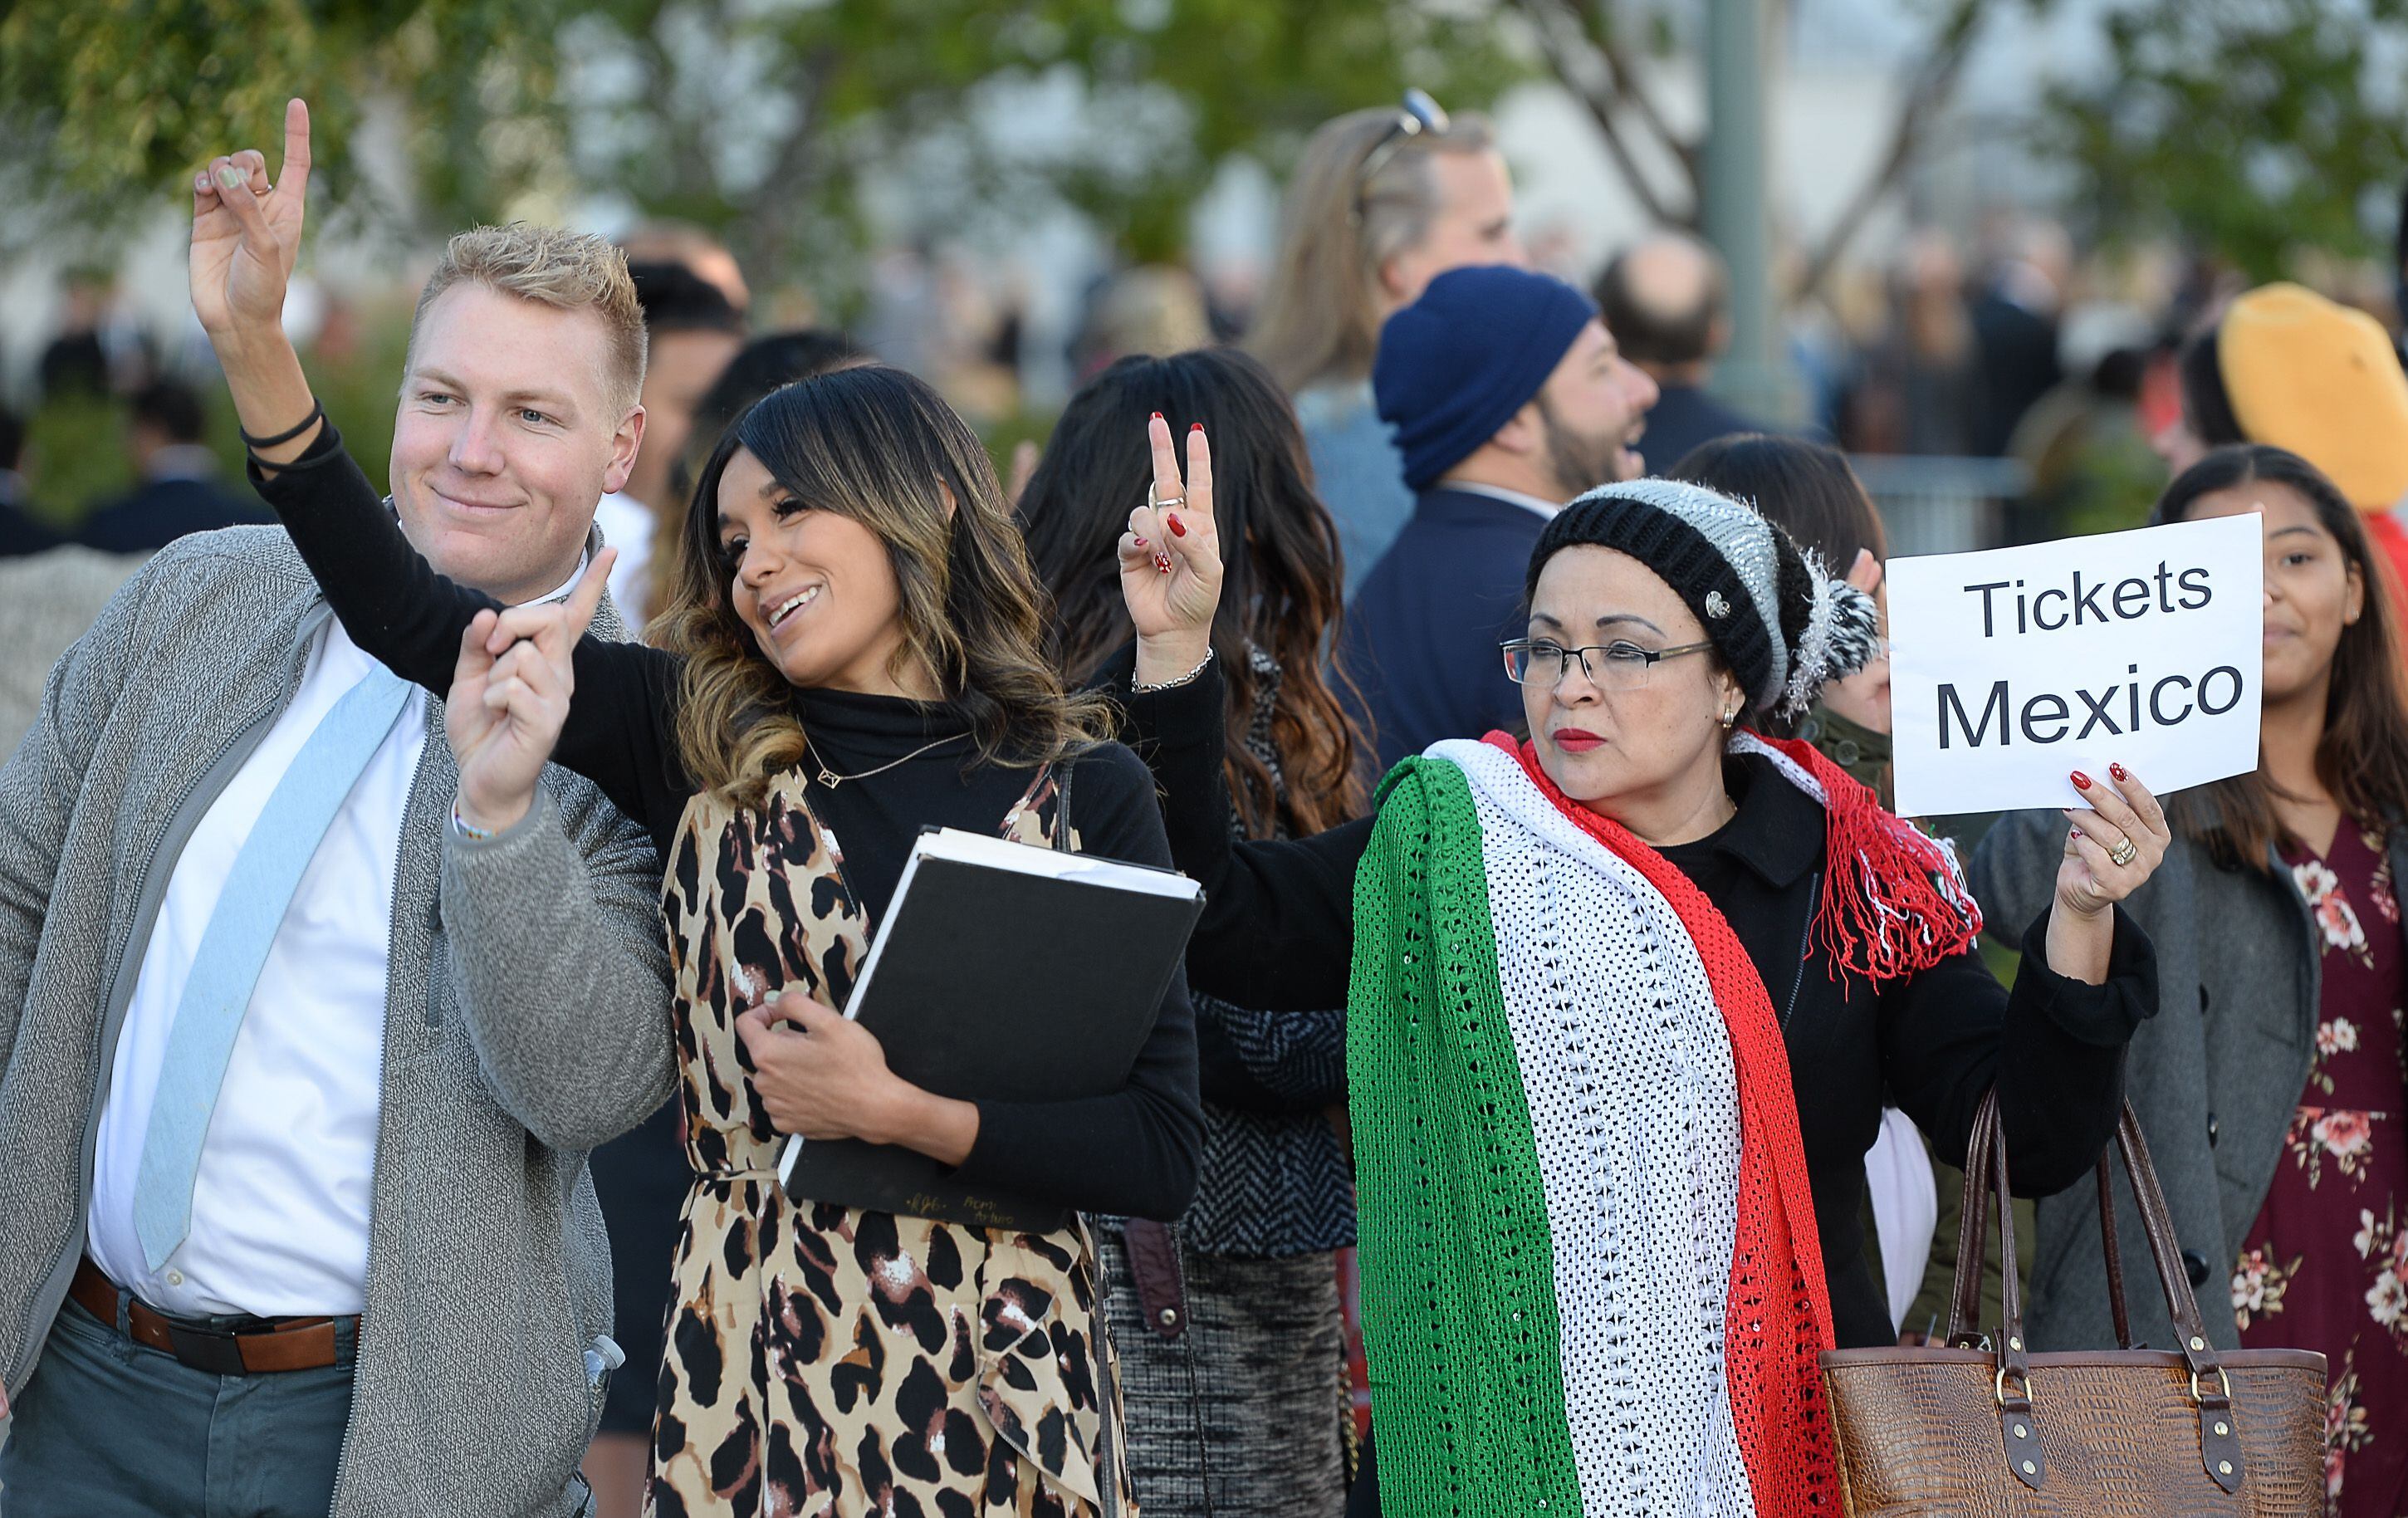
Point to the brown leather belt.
(290, 1344)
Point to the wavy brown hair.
(1281, 587)
(880, 447)
(2362, 758)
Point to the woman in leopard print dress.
(849, 653)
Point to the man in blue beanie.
(1509, 398)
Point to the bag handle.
(1987, 1186)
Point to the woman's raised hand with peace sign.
(1170, 559)
(509, 697)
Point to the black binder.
(1003, 972)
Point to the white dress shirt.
(1498, 493)
(280, 1201)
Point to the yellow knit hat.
(2322, 380)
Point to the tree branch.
(783, 192)
(1933, 80)
(1596, 22)
(1544, 20)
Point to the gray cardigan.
(2214, 1076)
(526, 1021)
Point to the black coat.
(1278, 932)
(1423, 628)
(163, 510)
(21, 532)
(1683, 417)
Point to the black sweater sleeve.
(1135, 1153)
(2055, 1048)
(1278, 930)
(621, 730)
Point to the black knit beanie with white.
(1781, 620)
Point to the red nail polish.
(1178, 528)
(1157, 416)
(2117, 770)
(1162, 562)
(1140, 542)
(2081, 781)
(1197, 426)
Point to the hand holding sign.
(2111, 850)
(2015, 667)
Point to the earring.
(1730, 715)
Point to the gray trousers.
(1261, 1422)
(110, 1428)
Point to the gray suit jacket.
(526, 1021)
(2214, 1076)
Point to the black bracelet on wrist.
(317, 413)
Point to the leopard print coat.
(825, 1359)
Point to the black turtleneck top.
(1134, 1152)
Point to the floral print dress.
(2325, 1264)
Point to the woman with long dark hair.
(851, 650)
(2275, 1104)
(1259, 1325)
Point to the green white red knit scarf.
(1591, 1274)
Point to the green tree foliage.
(773, 122)
(106, 105)
(2256, 127)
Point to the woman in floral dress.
(2326, 1266)
(2271, 1083)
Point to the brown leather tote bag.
(1977, 1432)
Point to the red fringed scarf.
(1900, 909)
(1893, 903)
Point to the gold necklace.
(830, 779)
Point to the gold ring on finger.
(1161, 503)
(2124, 853)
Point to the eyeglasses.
(1619, 666)
(1419, 114)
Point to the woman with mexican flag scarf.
(1624, 1001)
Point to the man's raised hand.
(247, 231)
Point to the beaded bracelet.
(468, 829)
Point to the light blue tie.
(266, 870)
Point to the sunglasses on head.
(1417, 115)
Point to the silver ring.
(2124, 853)
(1158, 502)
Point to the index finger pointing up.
(294, 176)
(587, 597)
(1166, 460)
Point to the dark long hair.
(2362, 758)
(880, 447)
(1281, 588)
(2207, 405)
(1805, 487)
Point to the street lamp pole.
(1752, 375)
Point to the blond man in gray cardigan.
(297, 1073)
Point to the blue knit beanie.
(1456, 365)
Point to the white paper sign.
(2012, 667)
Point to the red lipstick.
(1576, 739)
